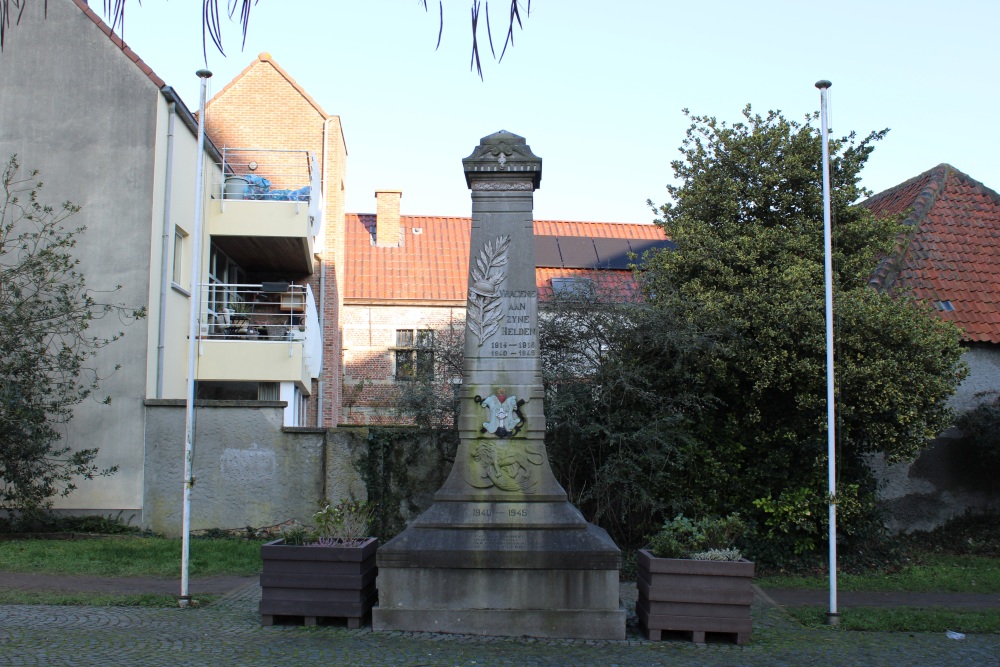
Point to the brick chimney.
(387, 231)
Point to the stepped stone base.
(551, 624)
(556, 583)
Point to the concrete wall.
(179, 215)
(74, 106)
(946, 479)
(251, 471)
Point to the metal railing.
(267, 311)
(261, 174)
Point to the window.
(946, 306)
(414, 354)
(227, 391)
(177, 274)
(224, 277)
(268, 391)
(573, 288)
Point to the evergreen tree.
(747, 218)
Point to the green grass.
(130, 557)
(931, 573)
(904, 619)
(160, 600)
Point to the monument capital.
(502, 161)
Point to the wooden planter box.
(318, 582)
(695, 596)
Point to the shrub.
(705, 539)
(343, 525)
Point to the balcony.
(267, 212)
(266, 332)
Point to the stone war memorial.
(501, 551)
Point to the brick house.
(950, 259)
(406, 283)
(265, 124)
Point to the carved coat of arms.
(504, 419)
(509, 465)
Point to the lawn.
(130, 557)
(929, 573)
(98, 599)
(903, 619)
(961, 557)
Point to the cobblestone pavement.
(228, 633)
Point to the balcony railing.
(268, 175)
(260, 174)
(266, 311)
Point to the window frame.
(177, 266)
(413, 355)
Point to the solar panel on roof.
(547, 252)
(577, 253)
(612, 253)
(639, 246)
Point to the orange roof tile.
(433, 265)
(607, 230)
(951, 252)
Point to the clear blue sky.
(597, 87)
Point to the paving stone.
(229, 633)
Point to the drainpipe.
(161, 332)
(193, 330)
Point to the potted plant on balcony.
(327, 571)
(693, 579)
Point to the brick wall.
(369, 333)
(264, 108)
(387, 228)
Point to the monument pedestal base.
(549, 582)
(545, 624)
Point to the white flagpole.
(832, 616)
(193, 332)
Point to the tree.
(211, 22)
(620, 410)
(747, 221)
(45, 348)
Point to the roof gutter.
(190, 121)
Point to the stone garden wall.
(251, 471)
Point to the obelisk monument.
(501, 551)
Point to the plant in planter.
(693, 579)
(327, 571)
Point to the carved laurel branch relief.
(485, 311)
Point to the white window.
(177, 273)
(224, 275)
